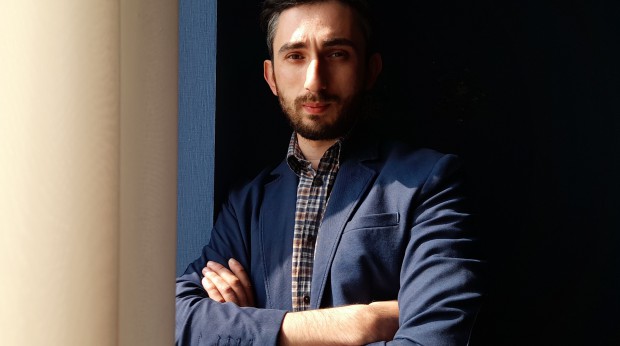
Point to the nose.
(315, 78)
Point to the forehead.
(322, 20)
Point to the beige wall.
(87, 172)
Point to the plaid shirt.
(312, 195)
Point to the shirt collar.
(298, 163)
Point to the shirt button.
(306, 299)
(318, 181)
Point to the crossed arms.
(356, 324)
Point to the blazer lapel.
(352, 181)
(276, 224)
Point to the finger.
(227, 283)
(208, 285)
(244, 278)
(212, 291)
(233, 281)
(224, 289)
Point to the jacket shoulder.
(419, 161)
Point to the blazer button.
(307, 299)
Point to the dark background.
(527, 92)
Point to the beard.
(316, 130)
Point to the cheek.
(290, 83)
(285, 96)
(290, 75)
(348, 80)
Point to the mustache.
(316, 97)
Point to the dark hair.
(273, 8)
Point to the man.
(349, 240)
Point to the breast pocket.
(373, 221)
(367, 263)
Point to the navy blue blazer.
(396, 227)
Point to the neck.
(313, 150)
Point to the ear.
(269, 76)
(375, 64)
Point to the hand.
(225, 285)
(345, 325)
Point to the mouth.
(315, 107)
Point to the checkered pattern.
(312, 195)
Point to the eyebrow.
(327, 43)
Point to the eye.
(339, 54)
(294, 56)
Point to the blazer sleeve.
(203, 321)
(440, 279)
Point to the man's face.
(319, 70)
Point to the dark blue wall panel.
(197, 53)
